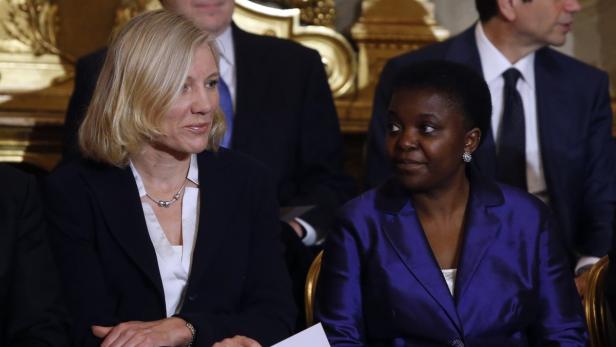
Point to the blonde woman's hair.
(146, 65)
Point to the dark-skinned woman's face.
(425, 140)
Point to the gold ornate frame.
(338, 56)
(34, 82)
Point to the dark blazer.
(575, 123)
(31, 311)
(285, 118)
(237, 285)
(381, 286)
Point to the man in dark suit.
(566, 128)
(283, 115)
(31, 313)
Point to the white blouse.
(450, 278)
(174, 262)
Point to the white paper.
(311, 337)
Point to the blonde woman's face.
(187, 124)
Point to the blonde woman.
(162, 238)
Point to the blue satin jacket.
(380, 284)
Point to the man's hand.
(237, 341)
(165, 332)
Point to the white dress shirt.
(174, 261)
(494, 64)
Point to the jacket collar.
(393, 198)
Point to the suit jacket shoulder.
(574, 68)
(460, 48)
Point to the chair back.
(595, 305)
(311, 287)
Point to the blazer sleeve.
(322, 180)
(339, 293)
(597, 220)
(37, 316)
(71, 216)
(267, 311)
(560, 321)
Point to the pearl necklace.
(168, 203)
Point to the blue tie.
(226, 105)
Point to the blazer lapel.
(121, 207)
(251, 84)
(406, 237)
(216, 206)
(481, 230)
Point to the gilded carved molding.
(32, 26)
(313, 12)
(34, 82)
(29, 55)
(337, 54)
(386, 28)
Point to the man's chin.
(215, 27)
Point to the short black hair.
(488, 9)
(464, 88)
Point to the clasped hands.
(165, 332)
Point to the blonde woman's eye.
(185, 88)
(211, 84)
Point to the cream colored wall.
(455, 15)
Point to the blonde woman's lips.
(199, 128)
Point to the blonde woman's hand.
(165, 332)
(237, 341)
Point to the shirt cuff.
(310, 238)
(585, 261)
